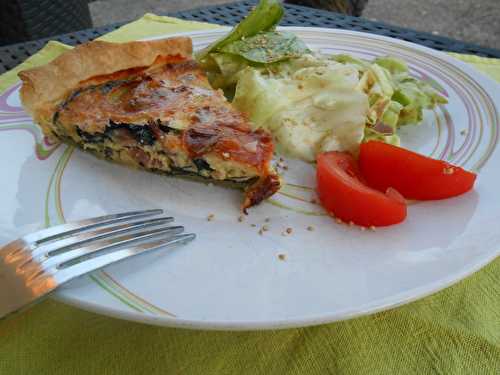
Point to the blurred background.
(476, 21)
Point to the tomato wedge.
(343, 193)
(413, 175)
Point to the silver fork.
(36, 264)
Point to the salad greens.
(264, 17)
(267, 47)
(253, 42)
(396, 98)
(266, 71)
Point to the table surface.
(230, 14)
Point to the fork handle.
(18, 291)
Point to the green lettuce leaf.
(228, 67)
(267, 47)
(264, 17)
(359, 64)
(392, 64)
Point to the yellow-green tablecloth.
(456, 331)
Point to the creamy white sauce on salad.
(311, 106)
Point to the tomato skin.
(342, 192)
(413, 175)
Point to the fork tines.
(63, 247)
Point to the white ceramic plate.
(231, 277)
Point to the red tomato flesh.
(343, 193)
(413, 175)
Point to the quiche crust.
(45, 86)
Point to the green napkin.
(456, 331)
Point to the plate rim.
(379, 305)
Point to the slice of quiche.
(148, 105)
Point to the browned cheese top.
(173, 93)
